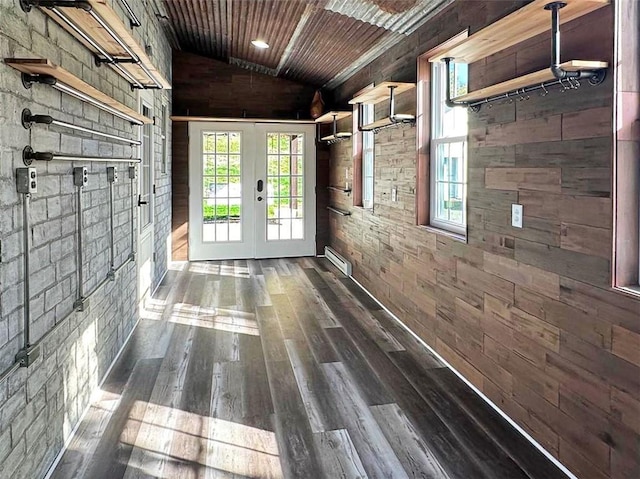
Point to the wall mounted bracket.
(27, 356)
(595, 77)
(567, 75)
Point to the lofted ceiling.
(317, 42)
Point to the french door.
(251, 190)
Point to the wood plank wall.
(210, 88)
(527, 315)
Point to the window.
(448, 156)
(626, 160)
(368, 145)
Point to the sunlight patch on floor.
(228, 320)
(201, 446)
(218, 269)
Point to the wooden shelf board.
(381, 92)
(525, 23)
(328, 117)
(41, 66)
(385, 122)
(339, 135)
(97, 33)
(181, 118)
(534, 78)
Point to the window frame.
(357, 142)
(625, 264)
(437, 138)
(368, 157)
(424, 142)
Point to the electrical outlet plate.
(80, 176)
(26, 180)
(516, 216)
(112, 174)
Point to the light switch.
(394, 194)
(516, 216)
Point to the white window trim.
(438, 93)
(368, 155)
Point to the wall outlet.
(394, 194)
(516, 216)
(80, 176)
(26, 180)
(112, 174)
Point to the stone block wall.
(40, 405)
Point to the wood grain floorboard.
(418, 460)
(284, 368)
(151, 453)
(293, 431)
(339, 456)
(295, 439)
(376, 453)
(372, 389)
(257, 404)
(195, 404)
(314, 388)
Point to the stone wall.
(40, 405)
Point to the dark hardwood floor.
(285, 368)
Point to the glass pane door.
(285, 186)
(222, 186)
(220, 208)
(285, 215)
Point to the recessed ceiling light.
(259, 44)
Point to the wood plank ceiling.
(318, 42)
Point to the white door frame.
(233, 249)
(146, 233)
(287, 248)
(254, 168)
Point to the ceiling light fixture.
(260, 44)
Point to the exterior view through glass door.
(252, 190)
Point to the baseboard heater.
(339, 262)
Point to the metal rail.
(28, 79)
(338, 211)
(28, 119)
(26, 227)
(29, 156)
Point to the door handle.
(260, 186)
(140, 202)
